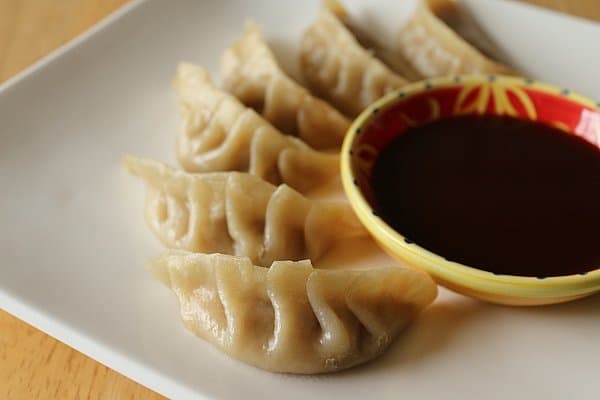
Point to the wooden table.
(32, 364)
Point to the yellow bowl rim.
(456, 273)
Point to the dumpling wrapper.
(338, 69)
(291, 317)
(221, 134)
(240, 214)
(426, 47)
(250, 71)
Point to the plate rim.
(61, 331)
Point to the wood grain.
(35, 366)
(32, 364)
(583, 8)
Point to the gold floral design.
(434, 113)
(366, 154)
(499, 92)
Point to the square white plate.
(73, 240)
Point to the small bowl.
(433, 99)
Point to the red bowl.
(434, 99)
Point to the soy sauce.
(496, 193)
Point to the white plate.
(73, 241)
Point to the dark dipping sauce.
(499, 194)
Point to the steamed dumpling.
(338, 69)
(249, 71)
(221, 134)
(426, 47)
(238, 213)
(291, 317)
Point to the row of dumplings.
(243, 222)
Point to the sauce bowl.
(426, 101)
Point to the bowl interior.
(436, 99)
(427, 101)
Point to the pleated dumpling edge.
(291, 317)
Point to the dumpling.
(249, 71)
(426, 47)
(238, 213)
(338, 69)
(291, 317)
(221, 134)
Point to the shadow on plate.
(432, 331)
(589, 306)
(441, 323)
